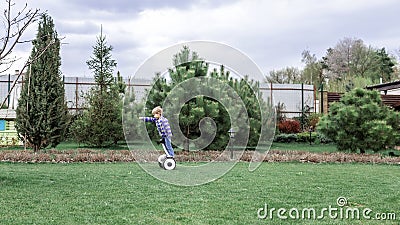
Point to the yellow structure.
(8, 133)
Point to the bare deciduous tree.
(350, 57)
(287, 75)
(14, 24)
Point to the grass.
(304, 147)
(122, 193)
(71, 145)
(319, 148)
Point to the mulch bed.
(88, 155)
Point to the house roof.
(385, 86)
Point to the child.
(163, 128)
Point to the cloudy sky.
(271, 32)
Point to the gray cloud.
(273, 33)
(77, 27)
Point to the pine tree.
(220, 86)
(101, 63)
(131, 109)
(120, 83)
(385, 65)
(155, 97)
(42, 111)
(185, 56)
(196, 108)
(101, 124)
(360, 122)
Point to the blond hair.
(157, 110)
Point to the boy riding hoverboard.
(166, 160)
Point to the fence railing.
(295, 97)
(75, 90)
(392, 101)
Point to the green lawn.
(304, 147)
(319, 148)
(123, 193)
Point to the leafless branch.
(14, 26)
(27, 63)
(9, 62)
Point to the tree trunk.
(36, 148)
(186, 146)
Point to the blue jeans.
(168, 146)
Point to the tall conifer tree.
(101, 124)
(42, 110)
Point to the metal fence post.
(8, 90)
(322, 98)
(76, 95)
(302, 105)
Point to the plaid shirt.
(162, 125)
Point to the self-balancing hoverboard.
(166, 161)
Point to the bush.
(285, 138)
(78, 129)
(322, 139)
(100, 124)
(289, 126)
(313, 120)
(305, 137)
(360, 122)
